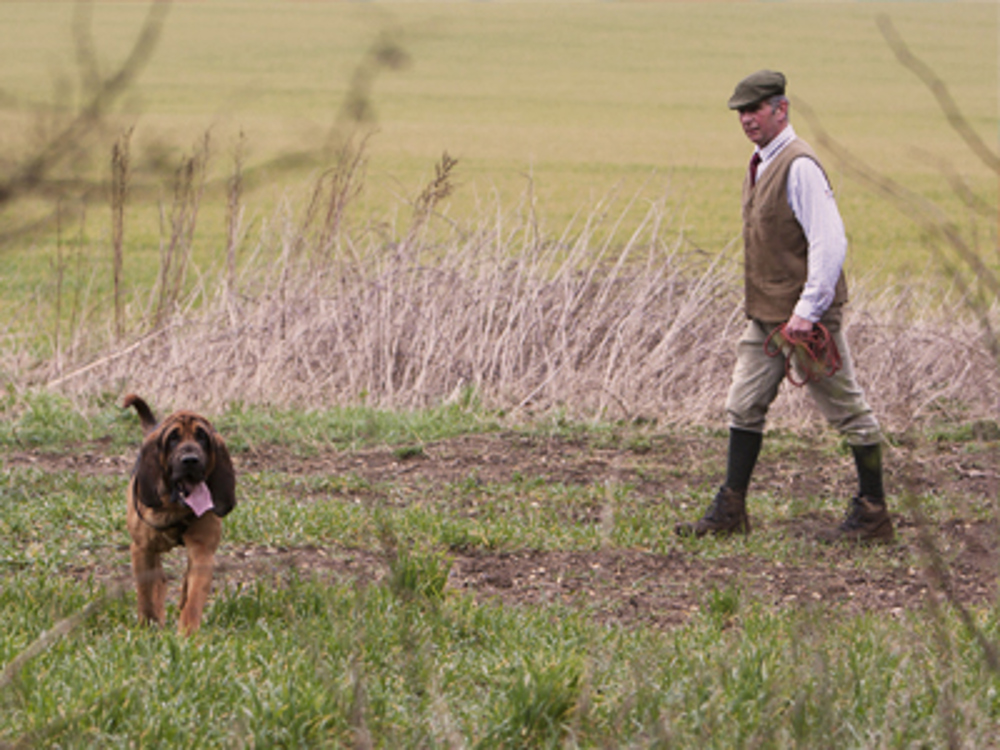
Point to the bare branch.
(940, 91)
(923, 212)
(57, 149)
(34, 174)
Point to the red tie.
(754, 163)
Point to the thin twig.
(61, 629)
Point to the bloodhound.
(183, 483)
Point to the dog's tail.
(146, 417)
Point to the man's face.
(761, 122)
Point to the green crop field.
(580, 99)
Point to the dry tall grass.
(589, 322)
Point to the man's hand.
(797, 326)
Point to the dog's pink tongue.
(200, 499)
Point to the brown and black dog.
(182, 485)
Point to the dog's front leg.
(196, 588)
(201, 541)
(150, 585)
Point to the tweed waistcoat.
(776, 251)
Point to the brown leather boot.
(726, 515)
(866, 522)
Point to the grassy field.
(580, 99)
(493, 586)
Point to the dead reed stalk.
(60, 273)
(177, 236)
(234, 211)
(596, 321)
(120, 164)
(629, 328)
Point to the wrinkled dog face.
(188, 450)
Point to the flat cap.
(757, 87)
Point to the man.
(794, 245)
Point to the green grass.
(353, 427)
(298, 665)
(79, 522)
(41, 418)
(287, 659)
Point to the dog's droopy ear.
(222, 481)
(148, 474)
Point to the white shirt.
(811, 199)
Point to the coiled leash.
(816, 352)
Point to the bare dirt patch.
(638, 586)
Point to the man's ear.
(222, 481)
(783, 109)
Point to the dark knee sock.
(868, 459)
(744, 447)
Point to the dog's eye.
(203, 439)
(173, 438)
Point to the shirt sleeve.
(812, 202)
